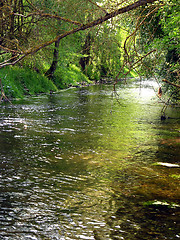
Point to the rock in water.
(170, 165)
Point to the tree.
(52, 69)
(33, 14)
(84, 60)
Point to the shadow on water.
(81, 165)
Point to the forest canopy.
(92, 39)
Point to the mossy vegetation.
(69, 76)
(17, 82)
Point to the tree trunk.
(52, 69)
(86, 51)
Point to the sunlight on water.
(146, 94)
(147, 90)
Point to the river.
(90, 164)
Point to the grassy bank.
(17, 81)
(69, 76)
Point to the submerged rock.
(157, 203)
(170, 165)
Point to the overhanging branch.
(93, 23)
(173, 84)
(47, 15)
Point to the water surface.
(81, 164)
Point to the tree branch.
(3, 96)
(7, 63)
(47, 15)
(173, 84)
(93, 23)
(102, 9)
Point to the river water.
(88, 164)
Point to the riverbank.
(18, 82)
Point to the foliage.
(69, 76)
(161, 32)
(83, 16)
(170, 42)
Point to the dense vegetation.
(47, 45)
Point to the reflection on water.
(82, 165)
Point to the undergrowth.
(18, 82)
(69, 76)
